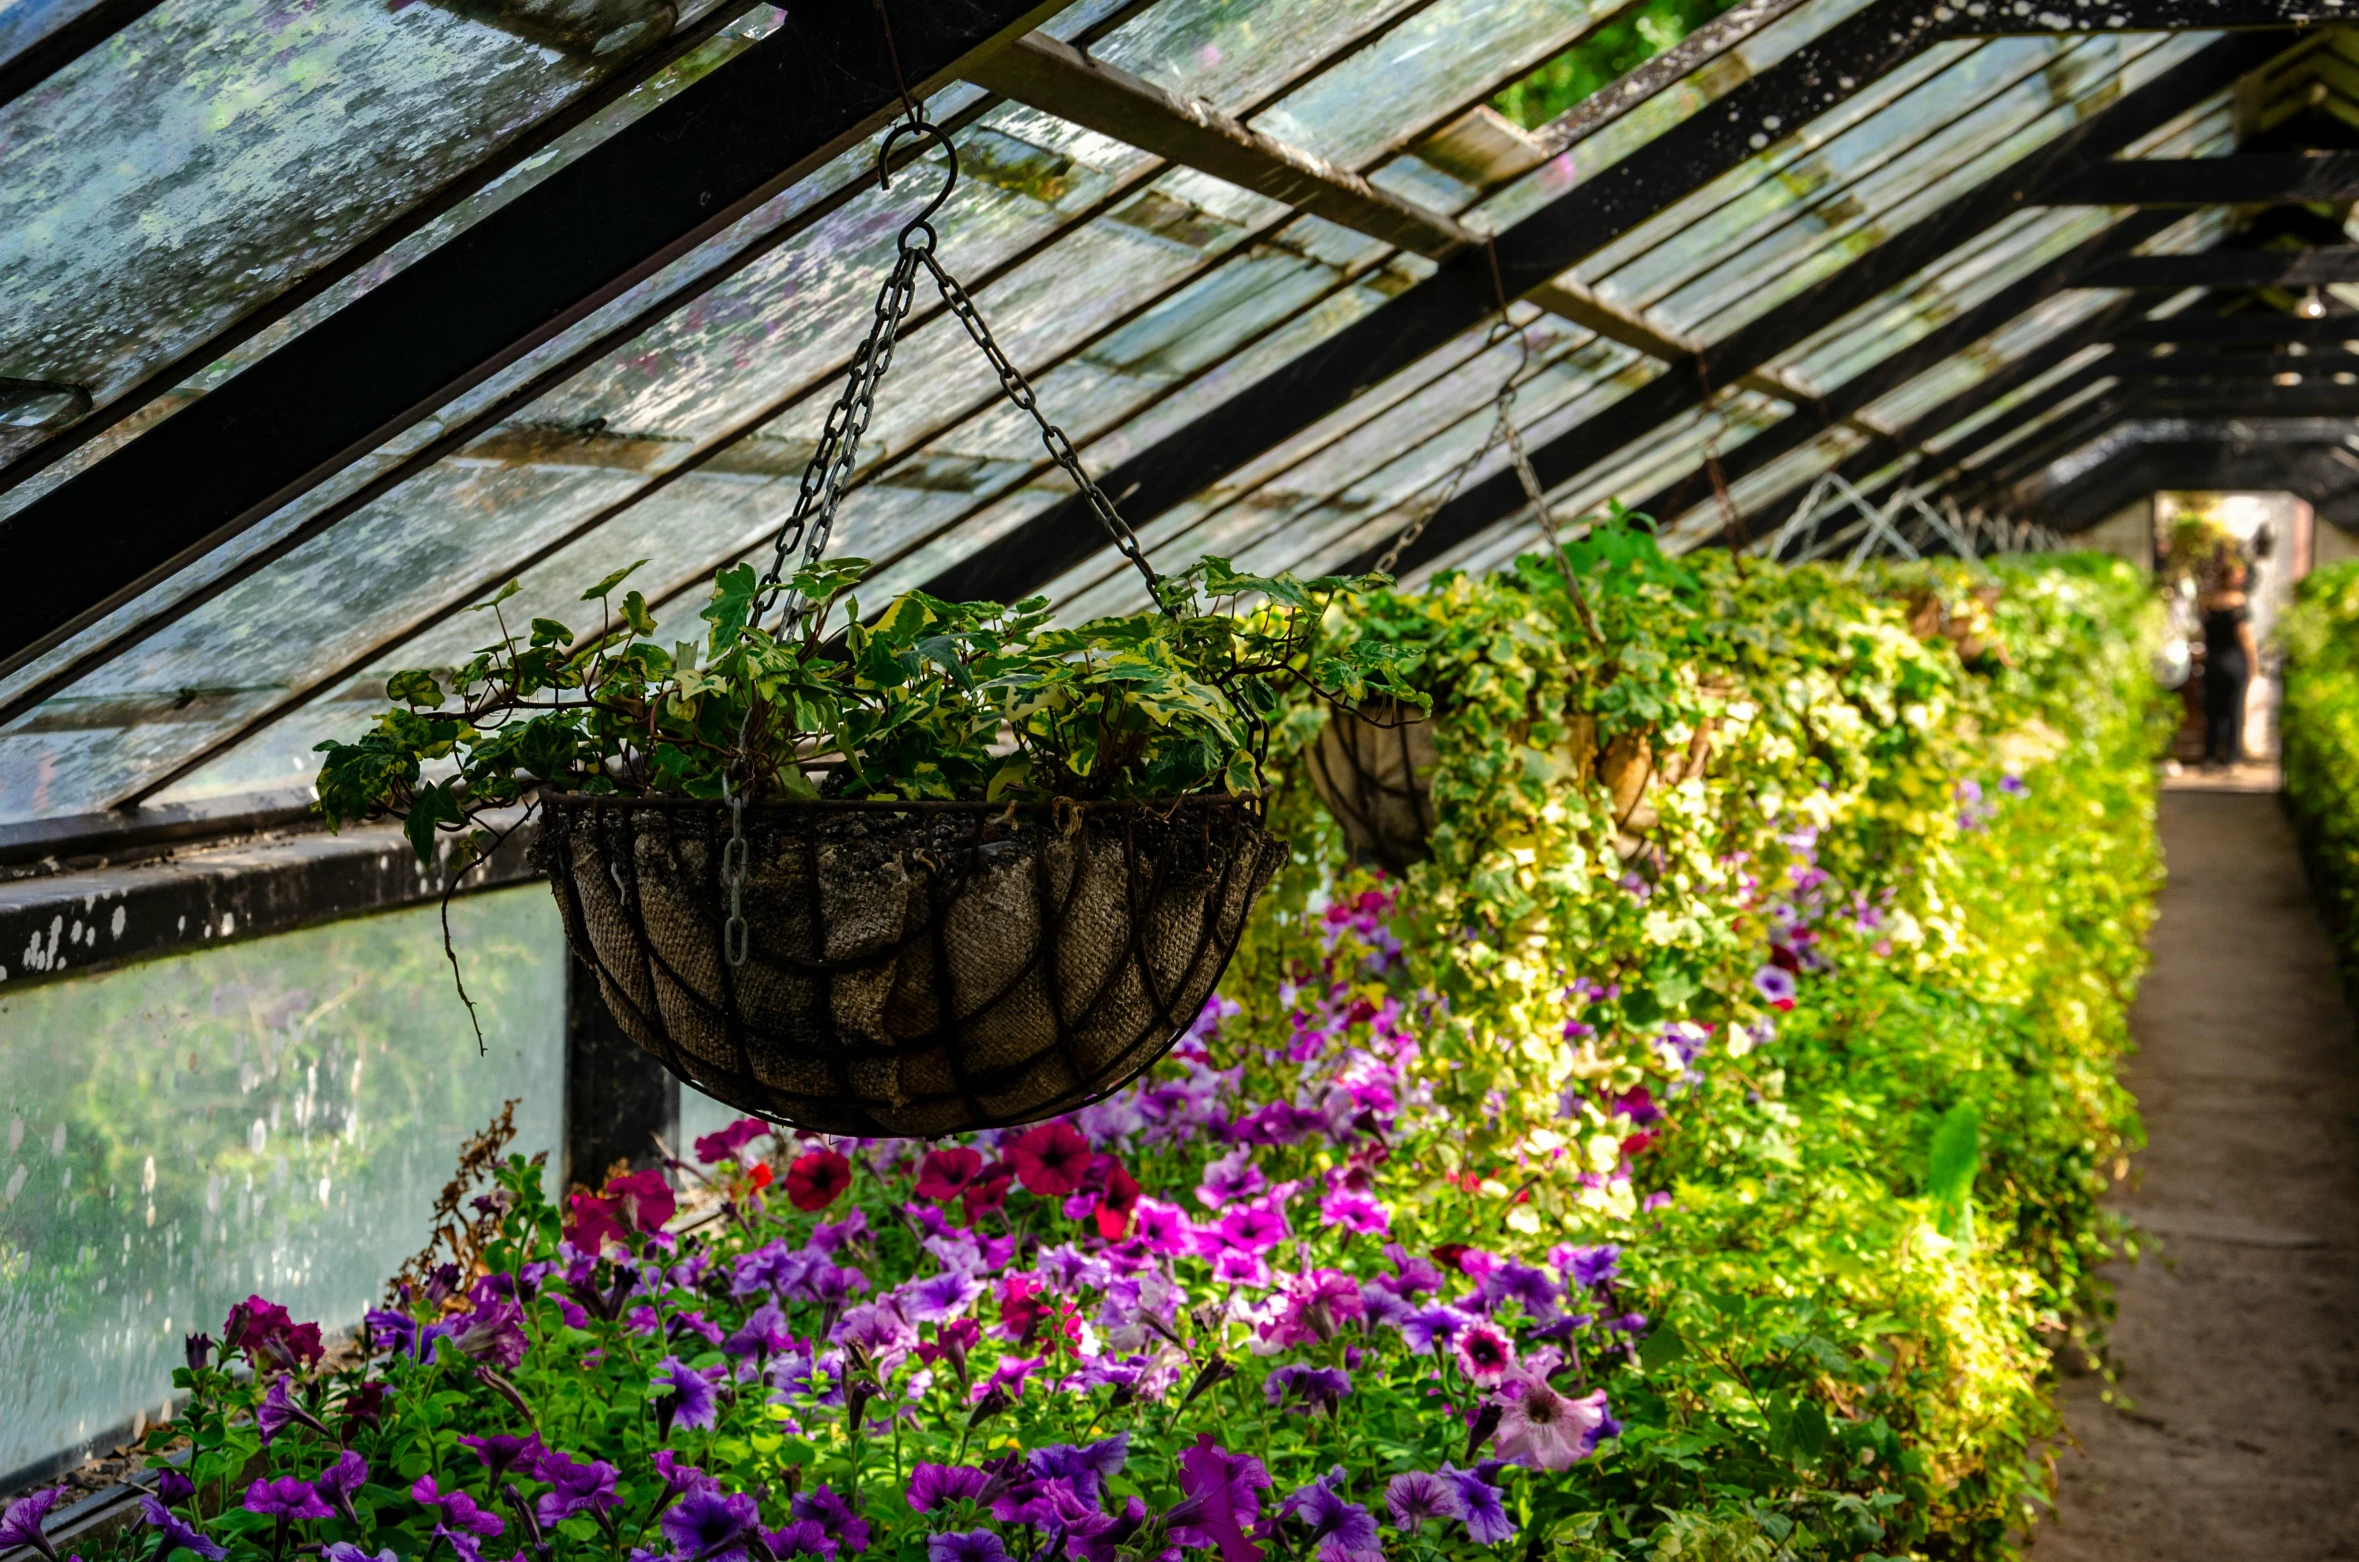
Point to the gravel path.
(2235, 1428)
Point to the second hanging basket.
(909, 968)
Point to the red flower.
(1023, 1306)
(1448, 1254)
(944, 1174)
(1114, 1208)
(817, 1179)
(761, 1175)
(264, 1331)
(987, 1194)
(1638, 1142)
(1051, 1159)
(592, 1222)
(643, 1198)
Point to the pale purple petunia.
(1485, 1514)
(1342, 1531)
(1418, 1497)
(691, 1401)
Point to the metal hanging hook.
(923, 222)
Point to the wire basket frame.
(1373, 771)
(911, 969)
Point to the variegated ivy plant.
(926, 700)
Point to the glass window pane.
(272, 1117)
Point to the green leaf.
(414, 688)
(1953, 1160)
(505, 592)
(435, 805)
(599, 592)
(1661, 1347)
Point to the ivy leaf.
(435, 805)
(637, 616)
(505, 592)
(414, 688)
(732, 605)
(599, 592)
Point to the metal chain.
(830, 469)
(1060, 448)
(733, 865)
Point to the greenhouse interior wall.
(1639, 716)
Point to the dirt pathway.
(2239, 1346)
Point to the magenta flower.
(711, 1526)
(1256, 1228)
(978, 1545)
(172, 1534)
(577, 1486)
(1231, 1176)
(1235, 1266)
(933, 1486)
(723, 1146)
(688, 1399)
(1420, 1497)
(1356, 1213)
(945, 1174)
(500, 1452)
(287, 1499)
(456, 1511)
(1485, 1351)
(1007, 1379)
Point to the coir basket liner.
(909, 969)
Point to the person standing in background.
(2228, 662)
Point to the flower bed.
(1720, 1192)
(2320, 726)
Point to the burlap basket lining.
(912, 969)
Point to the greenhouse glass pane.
(272, 1117)
(214, 151)
(1234, 54)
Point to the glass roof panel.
(214, 151)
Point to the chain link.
(733, 865)
(1060, 448)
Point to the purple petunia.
(456, 1510)
(940, 1298)
(21, 1524)
(346, 1551)
(1418, 1497)
(501, 1453)
(1485, 1514)
(1342, 1531)
(824, 1507)
(977, 1545)
(288, 1499)
(1589, 1267)
(340, 1480)
(1432, 1327)
(1523, 1284)
(936, 1485)
(688, 1400)
(1776, 986)
(173, 1533)
(711, 1526)
(1307, 1390)
(578, 1486)
(763, 1334)
(1222, 1500)
(1086, 1468)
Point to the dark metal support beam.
(2220, 268)
(678, 175)
(1461, 294)
(2237, 366)
(2269, 179)
(618, 1098)
(2191, 328)
(1890, 264)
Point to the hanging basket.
(910, 969)
(1374, 772)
